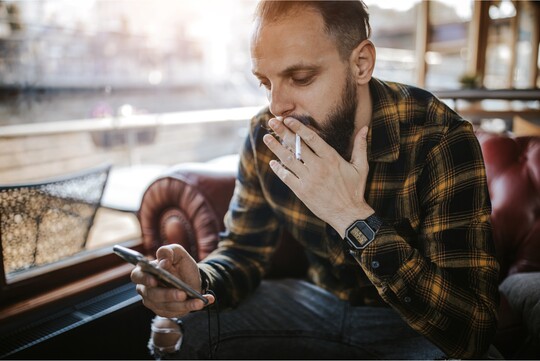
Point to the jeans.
(293, 319)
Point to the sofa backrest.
(513, 173)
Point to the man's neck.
(364, 111)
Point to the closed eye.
(302, 81)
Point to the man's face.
(305, 77)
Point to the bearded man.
(382, 184)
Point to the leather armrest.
(186, 206)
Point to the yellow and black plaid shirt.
(433, 259)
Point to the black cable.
(215, 306)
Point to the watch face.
(359, 235)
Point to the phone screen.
(162, 275)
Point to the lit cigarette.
(298, 147)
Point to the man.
(388, 198)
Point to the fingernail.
(272, 123)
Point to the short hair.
(346, 21)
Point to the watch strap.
(374, 222)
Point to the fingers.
(170, 302)
(290, 169)
(291, 151)
(286, 157)
(310, 137)
(138, 276)
(287, 137)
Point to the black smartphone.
(162, 275)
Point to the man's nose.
(281, 104)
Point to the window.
(393, 25)
(524, 67)
(499, 56)
(447, 45)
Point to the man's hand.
(170, 302)
(332, 188)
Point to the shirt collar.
(383, 136)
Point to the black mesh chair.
(42, 223)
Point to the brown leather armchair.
(187, 204)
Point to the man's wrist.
(345, 222)
(361, 233)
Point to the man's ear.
(362, 62)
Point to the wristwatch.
(362, 232)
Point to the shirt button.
(375, 264)
(407, 299)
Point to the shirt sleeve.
(242, 257)
(444, 285)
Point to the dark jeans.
(293, 319)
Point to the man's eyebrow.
(292, 69)
(300, 67)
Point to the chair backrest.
(513, 174)
(44, 222)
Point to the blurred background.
(65, 60)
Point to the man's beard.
(338, 129)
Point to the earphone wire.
(215, 306)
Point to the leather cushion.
(513, 173)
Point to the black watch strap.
(374, 222)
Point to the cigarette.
(298, 148)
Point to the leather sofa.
(187, 204)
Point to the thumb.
(165, 253)
(359, 152)
(169, 255)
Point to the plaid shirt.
(432, 260)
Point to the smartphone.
(165, 277)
